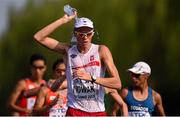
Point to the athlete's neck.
(84, 49)
(140, 93)
(36, 79)
(142, 89)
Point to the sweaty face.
(137, 79)
(59, 70)
(84, 35)
(38, 68)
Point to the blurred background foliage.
(134, 30)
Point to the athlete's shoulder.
(24, 80)
(62, 48)
(44, 89)
(71, 48)
(103, 49)
(21, 84)
(43, 81)
(156, 95)
(124, 92)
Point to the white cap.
(83, 22)
(140, 68)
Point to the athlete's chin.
(135, 84)
(84, 44)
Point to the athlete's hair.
(57, 62)
(36, 57)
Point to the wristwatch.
(93, 78)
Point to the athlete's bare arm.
(106, 58)
(64, 85)
(19, 89)
(40, 107)
(116, 106)
(41, 97)
(115, 109)
(158, 104)
(15, 114)
(31, 92)
(120, 104)
(59, 84)
(43, 35)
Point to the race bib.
(83, 90)
(139, 114)
(30, 103)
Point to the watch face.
(94, 77)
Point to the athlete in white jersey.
(85, 95)
(86, 64)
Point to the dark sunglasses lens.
(135, 75)
(38, 67)
(81, 34)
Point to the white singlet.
(85, 95)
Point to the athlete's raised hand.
(67, 18)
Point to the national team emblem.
(92, 58)
(73, 55)
(31, 86)
(52, 97)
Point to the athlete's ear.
(146, 75)
(93, 33)
(45, 67)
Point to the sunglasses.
(38, 67)
(135, 75)
(60, 70)
(84, 34)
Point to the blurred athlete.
(19, 103)
(51, 103)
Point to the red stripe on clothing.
(76, 112)
(93, 63)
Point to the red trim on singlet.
(49, 93)
(76, 113)
(92, 63)
(48, 101)
(23, 100)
